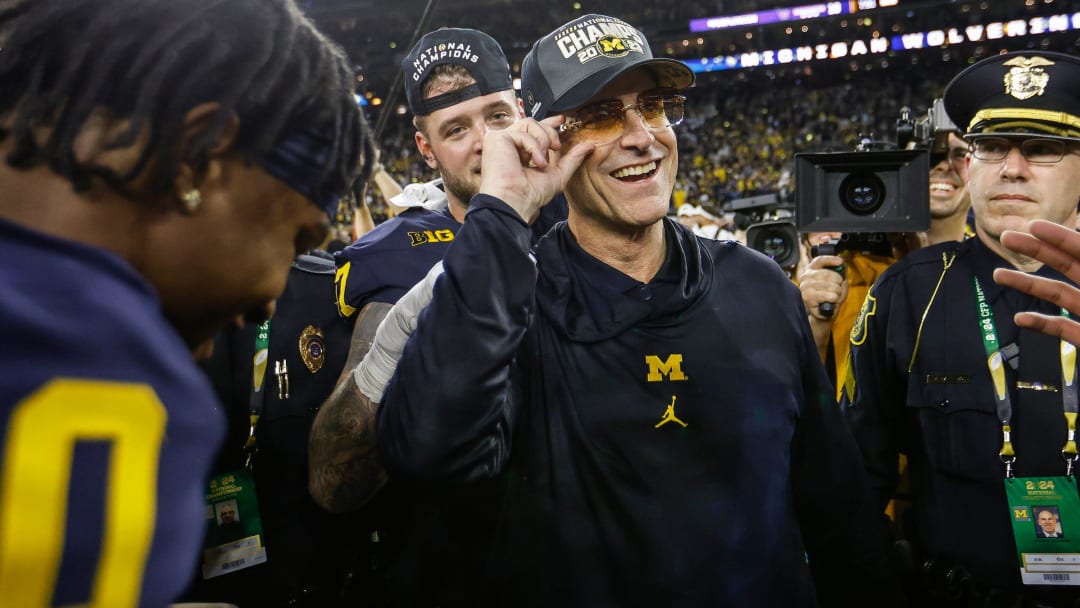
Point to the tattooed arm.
(344, 471)
(343, 466)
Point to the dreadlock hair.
(151, 61)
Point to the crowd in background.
(740, 135)
(377, 52)
(727, 150)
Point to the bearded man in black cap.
(635, 460)
(943, 374)
(458, 85)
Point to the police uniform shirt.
(109, 431)
(657, 445)
(942, 413)
(309, 550)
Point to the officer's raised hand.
(1059, 247)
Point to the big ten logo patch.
(670, 368)
(430, 236)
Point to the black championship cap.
(570, 65)
(1024, 93)
(473, 50)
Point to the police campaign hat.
(570, 65)
(1020, 93)
(474, 50)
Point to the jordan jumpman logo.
(669, 415)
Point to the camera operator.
(949, 200)
(821, 282)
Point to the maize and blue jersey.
(386, 262)
(108, 431)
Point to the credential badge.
(312, 348)
(1026, 77)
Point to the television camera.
(769, 225)
(878, 187)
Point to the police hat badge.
(1023, 93)
(312, 348)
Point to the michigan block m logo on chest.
(661, 369)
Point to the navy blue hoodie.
(668, 443)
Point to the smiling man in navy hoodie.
(643, 397)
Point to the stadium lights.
(780, 15)
(877, 45)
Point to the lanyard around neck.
(995, 363)
(258, 378)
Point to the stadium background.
(814, 79)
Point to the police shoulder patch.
(859, 330)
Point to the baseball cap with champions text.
(575, 62)
(474, 50)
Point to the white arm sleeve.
(374, 372)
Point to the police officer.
(942, 374)
(314, 558)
